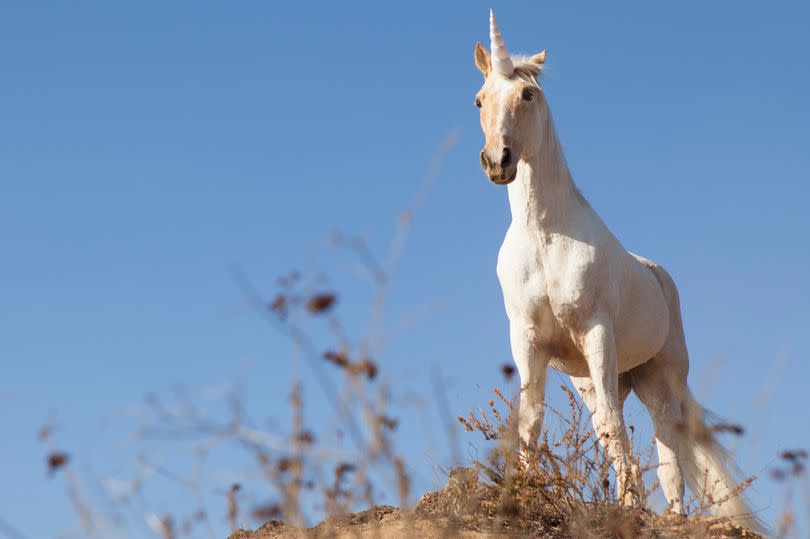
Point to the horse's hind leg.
(660, 384)
(584, 387)
(662, 396)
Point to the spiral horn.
(501, 62)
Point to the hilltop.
(465, 508)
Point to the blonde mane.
(527, 70)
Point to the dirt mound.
(461, 510)
(379, 522)
(387, 522)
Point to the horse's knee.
(609, 426)
(530, 417)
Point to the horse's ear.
(482, 59)
(539, 58)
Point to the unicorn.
(578, 302)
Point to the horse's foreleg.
(531, 367)
(599, 348)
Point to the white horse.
(579, 302)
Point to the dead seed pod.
(57, 460)
(320, 303)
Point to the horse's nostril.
(506, 157)
(484, 161)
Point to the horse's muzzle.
(501, 172)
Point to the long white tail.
(709, 470)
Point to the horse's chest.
(533, 300)
(542, 280)
(523, 280)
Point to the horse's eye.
(527, 94)
(477, 102)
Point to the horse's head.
(512, 106)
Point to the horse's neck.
(543, 193)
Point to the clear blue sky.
(145, 149)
